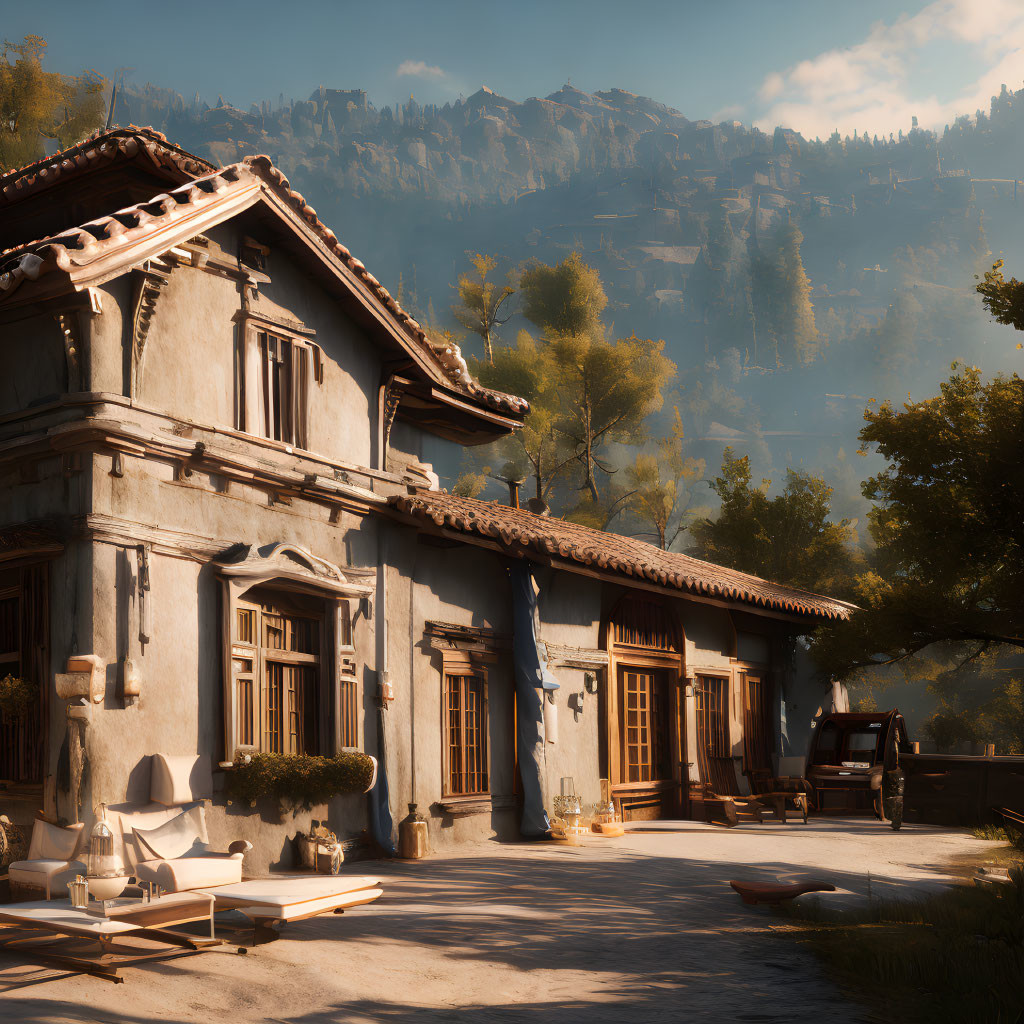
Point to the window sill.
(463, 806)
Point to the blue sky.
(812, 66)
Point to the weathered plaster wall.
(467, 586)
(188, 366)
(570, 615)
(33, 363)
(180, 710)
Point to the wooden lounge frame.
(41, 925)
(270, 903)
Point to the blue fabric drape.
(532, 679)
(381, 823)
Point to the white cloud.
(870, 86)
(419, 69)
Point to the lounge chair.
(164, 843)
(789, 787)
(722, 792)
(50, 864)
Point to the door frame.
(672, 793)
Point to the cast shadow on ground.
(650, 935)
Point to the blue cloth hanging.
(532, 678)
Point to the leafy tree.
(788, 539)
(36, 103)
(566, 300)
(586, 392)
(1003, 299)
(537, 450)
(606, 389)
(947, 526)
(480, 302)
(659, 488)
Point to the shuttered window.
(714, 752)
(275, 384)
(276, 668)
(465, 703)
(756, 724)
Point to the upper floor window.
(275, 385)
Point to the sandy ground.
(642, 928)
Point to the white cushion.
(52, 842)
(179, 779)
(170, 840)
(51, 875)
(30, 870)
(191, 872)
(126, 817)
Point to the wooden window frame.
(657, 728)
(458, 664)
(272, 352)
(349, 704)
(337, 704)
(253, 646)
(24, 740)
(751, 741)
(704, 756)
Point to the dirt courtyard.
(642, 928)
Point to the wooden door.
(650, 782)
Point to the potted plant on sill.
(298, 780)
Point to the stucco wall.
(33, 364)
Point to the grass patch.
(991, 832)
(953, 958)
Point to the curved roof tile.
(99, 148)
(625, 556)
(79, 246)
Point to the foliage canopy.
(35, 103)
(947, 524)
(788, 539)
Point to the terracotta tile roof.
(623, 556)
(98, 149)
(88, 252)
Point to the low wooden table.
(150, 920)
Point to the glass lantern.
(102, 861)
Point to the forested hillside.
(791, 279)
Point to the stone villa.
(216, 436)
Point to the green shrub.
(299, 780)
(17, 695)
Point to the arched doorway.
(645, 710)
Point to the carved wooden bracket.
(392, 396)
(150, 281)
